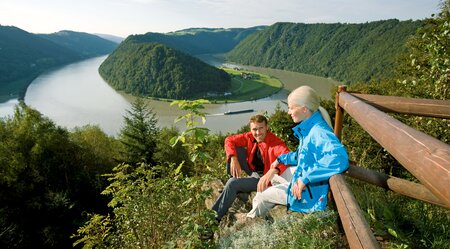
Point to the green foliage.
(205, 150)
(97, 154)
(159, 206)
(166, 154)
(426, 72)
(152, 69)
(98, 228)
(199, 41)
(47, 179)
(138, 134)
(193, 137)
(346, 52)
(280, 123)
(402, 222)
(152, 208)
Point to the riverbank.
(325, 87)
(16, 89)
(245, 86)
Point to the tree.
(166, 154)
(139, 133)
(41, 172)
(427, 72)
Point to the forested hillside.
(346, 52)
(152, 69)
(200, 40)
(23, 55)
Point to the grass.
(402, 222)
(259, 86)
(316, 230)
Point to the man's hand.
(235, 167)
(274, 164)
(297, 189)
(265, 180)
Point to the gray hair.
(306, 96)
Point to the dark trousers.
(235, 186)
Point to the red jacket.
(270, 148)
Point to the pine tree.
(139, 134)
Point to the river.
(75, 95)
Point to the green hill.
(197, 41)
(346, 52)
(23, 55)
(153, 69)
(87, 45)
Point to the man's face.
(259, 130)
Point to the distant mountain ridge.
(24, 55)
(346, 52)
(113, 38)
(196, 41)
(154, 69)
(84, 44)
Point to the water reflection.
(76, 95)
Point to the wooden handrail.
(398, 185)
(356, 228)
(427, 158)
(421, 107)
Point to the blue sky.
(125, 17)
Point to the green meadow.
(246, 85)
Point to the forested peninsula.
(345, 52)
(153, 69)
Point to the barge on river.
(238, 112)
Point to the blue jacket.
(320, 155)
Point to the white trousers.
(273, 195)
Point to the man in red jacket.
(251, 152)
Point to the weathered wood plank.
(427, 158)
(356, 228)
(421, 107)
(401, 186)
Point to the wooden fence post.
(356, 228)
(339, 113)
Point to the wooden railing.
(427, 158)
